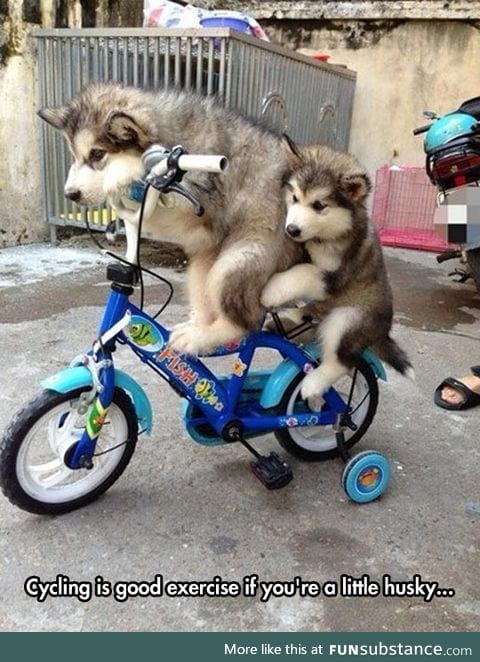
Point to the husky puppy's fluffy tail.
(389, 351)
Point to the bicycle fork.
(96, 404)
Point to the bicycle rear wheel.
(318, 442)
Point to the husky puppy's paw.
(202, 339)
(274, 293)
(313, 385)
(187, 338)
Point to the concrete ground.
(190, 513)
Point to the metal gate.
(309, 99)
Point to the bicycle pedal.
(272, 471)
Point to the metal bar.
(95, 61)
(228, 87)
(86, 61)
(68, 91)
(240, 74)
(195, 32)
(199, 85)
(107, 52)
(166, 73)
(210, 66)
(146, 62)
(77, 68)
(156, 62)
(115, 58)
(56, 144)
(261, 91)
(124, 43)
(48, 132)
(251, 85)
(135, 62)
(222, 70)
(188, 64)
(178, 62)
(43, 100)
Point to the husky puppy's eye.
(318, 206)
(294, 198)
(96, 155)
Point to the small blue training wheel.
(366, 476)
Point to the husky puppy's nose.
(73, 194)
(293, 230)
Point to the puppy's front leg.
(303, 281)
(131, 219)
(201, 310)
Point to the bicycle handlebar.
(203, 162)
(157, 161)
(165, 168)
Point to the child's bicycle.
(71, 442)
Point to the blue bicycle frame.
(218, 398)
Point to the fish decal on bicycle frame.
(142, 333)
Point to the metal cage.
(309, 99)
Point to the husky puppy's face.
(106, 137)
(323, 190)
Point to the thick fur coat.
(238, 244)
(345, 281)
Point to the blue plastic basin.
(225, 22)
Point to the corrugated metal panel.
(312, 101)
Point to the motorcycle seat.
(471, 107)
(470, 140)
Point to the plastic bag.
(165, 14)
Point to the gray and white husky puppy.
(239, 242)
(345, 280)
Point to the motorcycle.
(452, 148)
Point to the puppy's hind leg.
(319, 380)
(332, 331)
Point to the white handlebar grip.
(203, 163)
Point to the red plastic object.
(323, 57)
(404, 204)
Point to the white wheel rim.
(321, 438)
(40, 469)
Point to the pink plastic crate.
(404, 203)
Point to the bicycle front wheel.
(33, 474)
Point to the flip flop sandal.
(472, 399)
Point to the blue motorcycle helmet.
(447, 128)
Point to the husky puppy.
(237, 245)
(346, 280)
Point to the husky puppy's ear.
(56, 117)
(294, 157)
(355, 186)
(123, 129)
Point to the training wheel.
(366, 476)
